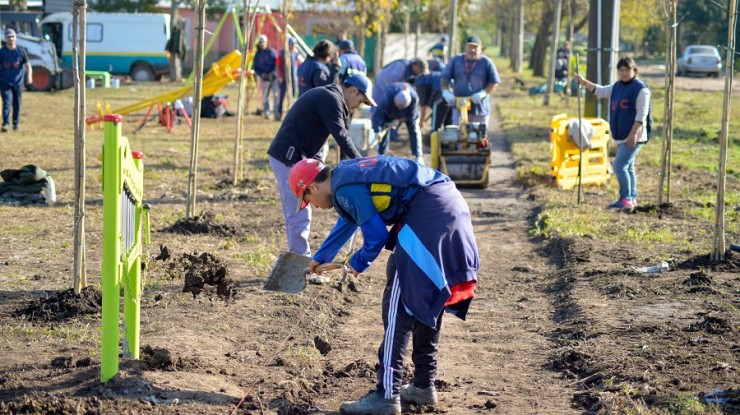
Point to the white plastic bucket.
(91, 83)
(115, 83)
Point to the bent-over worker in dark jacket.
(307, 125)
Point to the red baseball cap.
(302, 174)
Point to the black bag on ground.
(214, 106)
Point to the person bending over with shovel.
(316, 114)
(432, 269)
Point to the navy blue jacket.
(307, 125)
(386, 111)
(352, 63)
(311, 74)
(264, 62)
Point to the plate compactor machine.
(463, 151)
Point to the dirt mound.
(158, 358)
(204, 223)
(44, 403)
(205, 269)
(731, 263)
(64, 305)
(245, 184)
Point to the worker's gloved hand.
(478, 96)
(449, 97)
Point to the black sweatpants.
(399, 327)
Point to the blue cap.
(473, 39)
(444, 38)
(362, 84)
(346, 44)
(291, 40)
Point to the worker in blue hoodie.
(350, 61)
(399, 103)
(433, 267)
(265, 69)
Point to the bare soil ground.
(559, 326)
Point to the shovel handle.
(328, 266)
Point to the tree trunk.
(78, 53)
(197, 97)
(539, 51)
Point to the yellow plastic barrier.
(565, 155)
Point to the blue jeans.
(624, 169)
(270, 89)
(11, 94)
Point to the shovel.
(290, 272)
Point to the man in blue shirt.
(432, 269)
(401, 70)
(474, 76)
(439, 50)
(428, 87)
(318, 113)
(399, 104)
(350, 61)
(14, 69)
(265, 69)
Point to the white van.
(119, 43)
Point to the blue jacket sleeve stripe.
(421, 256)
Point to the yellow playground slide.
(221, 73)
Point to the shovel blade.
(288, 273)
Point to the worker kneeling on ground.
(398, 103)
(432, 269)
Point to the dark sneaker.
(425, 396)
(622, 203)
(15, 128)
(371, 404)
(5, 128)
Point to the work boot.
(4, 128)
(425, 396)
(371, 404)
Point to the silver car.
(700, 59)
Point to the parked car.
(700, 59)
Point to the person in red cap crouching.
(307, 125)
(432, 268)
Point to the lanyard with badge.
(469, 72)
